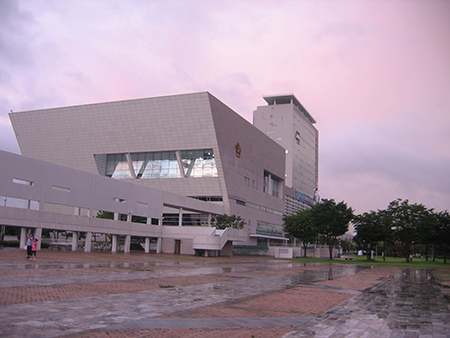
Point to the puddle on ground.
(335, 271)
(302, 277)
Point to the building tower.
(287, 122)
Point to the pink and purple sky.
(374, 74)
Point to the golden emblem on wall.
(238, 150)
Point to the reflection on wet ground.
(133, 271)
(35, 265)
(406, 304)
(335, 271)
(247, 280)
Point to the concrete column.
(75, 235)
(147, 245)
(209, 219)
(23, 238)
(180, 217)
(126, 248)
(114, 243)
(87, 243)
(159, 245)
(38, 236)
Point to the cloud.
(374, 74)
(385, 160)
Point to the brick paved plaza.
(77, 294)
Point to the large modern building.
(288, 123)
(191, 145)
(37, 195)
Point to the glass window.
(266, 183)
(165, 155)
(156, 170)
(148, 170)
(148, 165)
(198, 168)
(272, 184)
(137, 163)
(275, 188)
(117, 166)
(208, 154)
(157, 156)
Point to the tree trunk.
(330, 247)
(305, 246)
(407, 253)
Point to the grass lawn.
(393, 261)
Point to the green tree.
(443, 233)
(385, 222)
(301, 227)
(370, 230)
(426, 230)
(224, 221)
(407, 222)
(331, 220)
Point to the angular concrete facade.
(239, 167)
(40, 195)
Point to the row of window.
(258, 207)
(272, 184)
(162, 164)
(250, 183)
(293, 205)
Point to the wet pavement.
(303, 278)
(400, 303)
(406, 304)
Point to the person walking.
(34, 249)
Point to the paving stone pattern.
(81, 295)
(406, 304)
